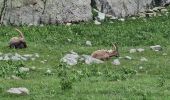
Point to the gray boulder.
(123, 8)
(36, 12)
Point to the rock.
(122, 8)
(132, 50)
(33, 68)
(1, 58)
(156, 48)
(18, 91)
(88, 43)
(15, 77)
(164, 10)
(128, 58)
(116, 62)
(1, 53)
(140, 50)
(37, 55)
(97, 22)
(69, 40)
(68, 24)
(70, 59)
(101, 16)
(48, 72)
(164, 54)
(114, 18)
(143, 59)
(121, 19)
(90, 60)
(36, 12)
(6, 58)
(140, 67)
(23, 69)
(134, 18)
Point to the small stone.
(37, 55)
(41, 25)
(121, 19)
(116, 62)
(27, 55)
(32, 59)
(1, 58)
(97, 22)
(101, 16)
(68, 24)
(132, 50)
(42, 62)
(15, 77)
(114, 18)
(143, 59)
(128, 58)
(164, 10)
(88, 43)
(23, 69)
(140, 67)
(133, 18)
(15, 58)
(6, 58)
(140, 50)
(33, 68)
(69, 40)
(18, 91)
(48, 72)
(164, 54)
(156, 48)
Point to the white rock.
(156, 48)
(18, 91)
(23, 69)
(140, 67)
(101, 16)
(97, 22)
(140, 50)
(164, 54)
(128, 57)
(32, 59)
(6, 58)
(37, 55)
(90, 60)
(15, 77)
(28, 55)
(69, 40)
(88, 43)
(70, 59)
(48, 71)
(33, 68)
(133, 18)
(121, 19)
(116, 62)
(15, 58)
(68, 24)
(132, 50)
(113, 17)
(1, 58)
(143, 59)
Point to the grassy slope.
(115, 82)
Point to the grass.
(91, 82)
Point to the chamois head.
(114, 52)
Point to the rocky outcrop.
(35, 12)
(123, 8)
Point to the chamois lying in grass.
(105, 54)
(18, 42)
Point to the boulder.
(123, 8)
(36, 12)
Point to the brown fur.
(105, 54)
(18, 42)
